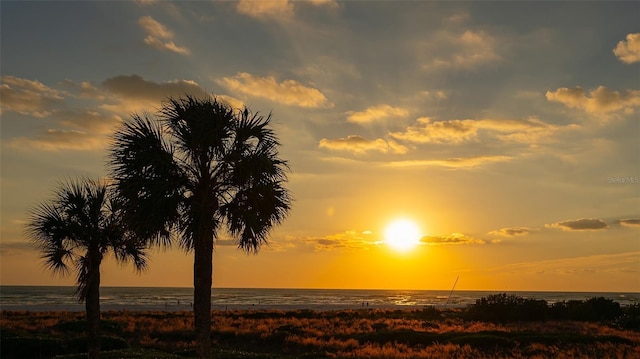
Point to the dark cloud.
(136, 87)
(630, 222)
(584, 224)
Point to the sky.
(507, 132)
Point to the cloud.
(288, 92)
(454, 162)
(281, 9)
(231, 101)
(134, 93)
(376, 113)
(630, 222)
(349, 240)
(158, 36)
(13, 247)
(467, 51)
(84, 89)
(56, 140)
(90, 121)
(511, 232)
(360, 145)
(426, 131)
(584, 224)
(597, 101)
(276, 9)
(599, 263)
(628, 51)
(454, 238)
(529, 131)
(28, 97)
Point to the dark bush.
(629, 317)
(79, 345)
(429, 313)
(503, 308)
(506, 308)
(31, 347)
(594, 309)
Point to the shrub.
(503, 308)
(629, 318)
(31, 347)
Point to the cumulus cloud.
(598, 101)
(360, 145)
(584, 224)
(276, 9)
(159, 36)
(376, 113)
(467, 51)
(134, 93)
(231, 101)
(426, 131)
(529, 131)
(628, 51)
(454, 238)
(265, 9)
(630, 222)
(288, 92)
(28, 97)
(83, 89)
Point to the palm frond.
(82, 277)
(81, 218)
(253, 211)
(148, 179)
(200, 127)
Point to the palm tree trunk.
(92, 306)
(202, 269)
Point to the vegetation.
(365, 333)
(503, 308)
(77, 228)
(198, 166)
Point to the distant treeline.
(503, 308)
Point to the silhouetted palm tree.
(198, 167)
(77, 228)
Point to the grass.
(367, 333)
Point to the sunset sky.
(507, 132)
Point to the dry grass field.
(373, 333)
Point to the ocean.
(144, 298)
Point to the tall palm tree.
(200, 166)
(77, 228)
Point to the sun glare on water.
(402, 235)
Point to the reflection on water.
(131, 296)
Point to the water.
(132, 298)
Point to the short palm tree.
(77, 228)
(198, 167)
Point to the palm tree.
(77, 228)
(198, 167)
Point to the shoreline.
(216, 307)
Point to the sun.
(402, 235)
